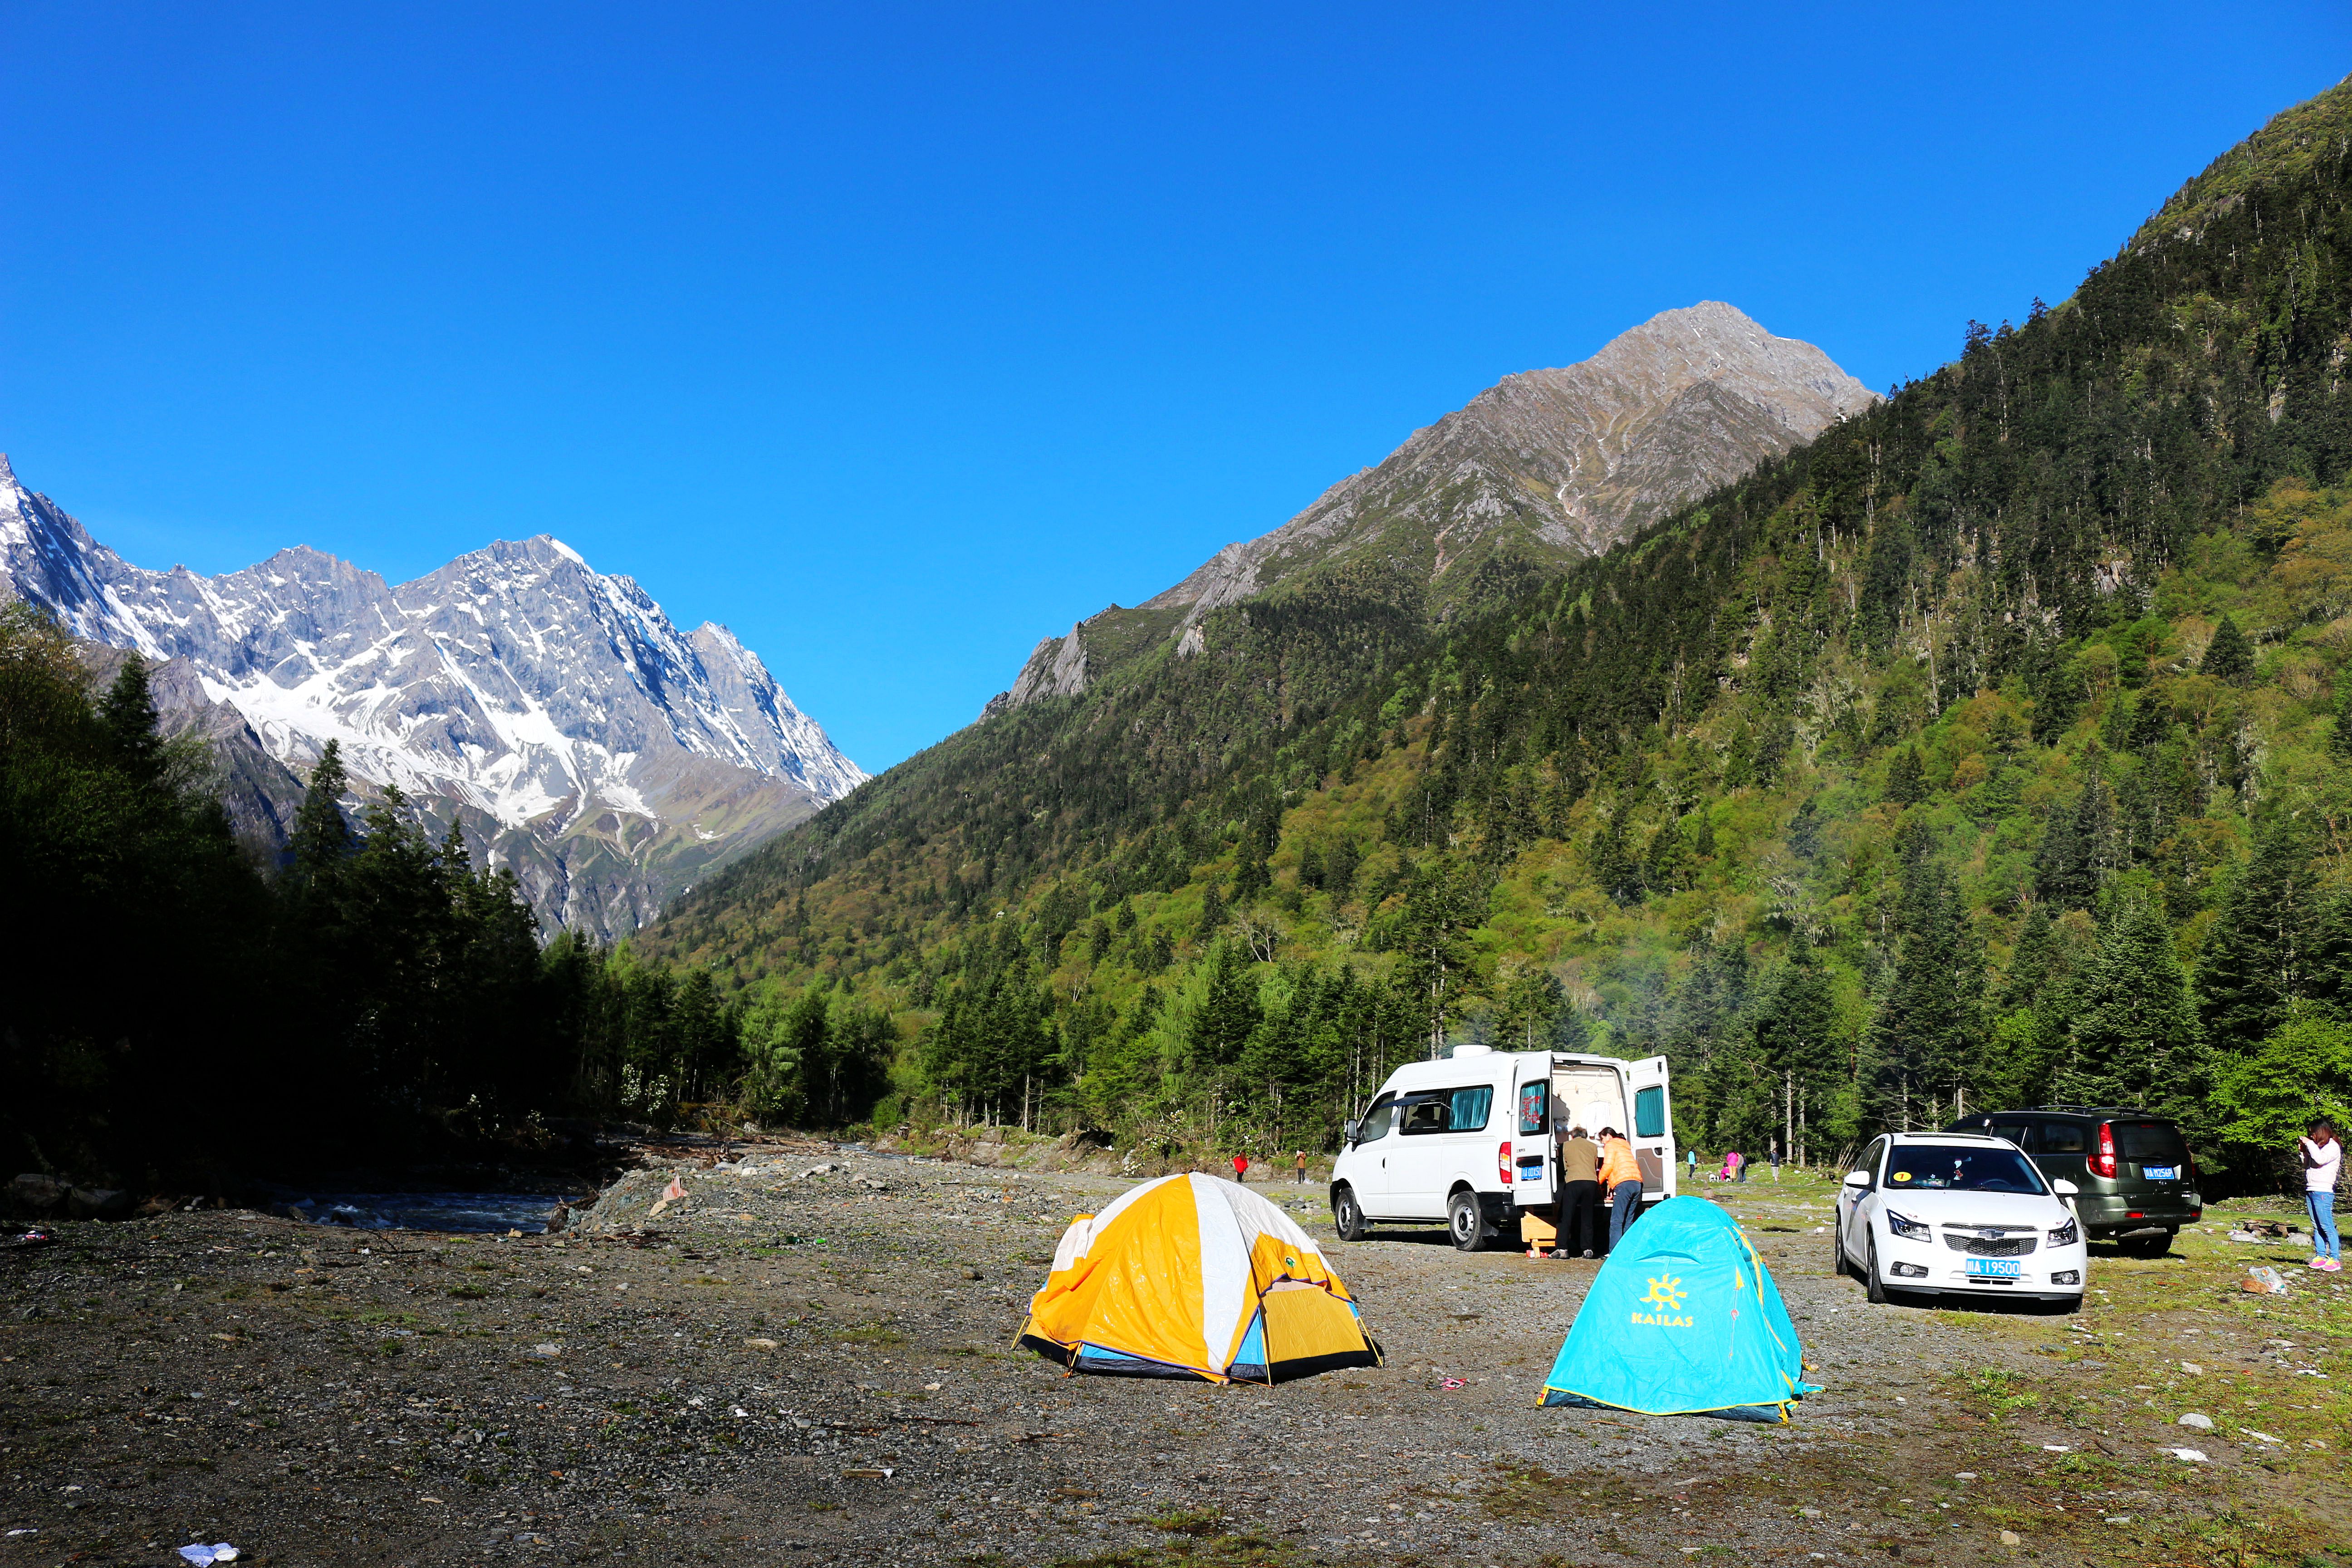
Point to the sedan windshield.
(1960, 1167)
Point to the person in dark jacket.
(1579, 1194)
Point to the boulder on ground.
(98, 1203)
(36, 1196)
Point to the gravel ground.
(806, 1366)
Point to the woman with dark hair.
(2323, 1162)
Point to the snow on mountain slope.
(556, 709)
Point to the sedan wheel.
(1872, 1286)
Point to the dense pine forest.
(176, 1002)
(1992, 749)
(1986, 751)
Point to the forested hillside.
(170, 1008)
(1986, 749)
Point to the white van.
(1471, 1139)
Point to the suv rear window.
(2143, 1142)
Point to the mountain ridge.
(1544, 467)
(554, 711)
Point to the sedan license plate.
(1992, 1267)
(2160, 1173)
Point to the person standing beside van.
(1579, 1193)
(1621, 1178)
(2323, 1162)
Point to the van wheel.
(1348, 1216)
(1468, 1222)
(2145, 1246)
(1872, 1286)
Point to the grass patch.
(871, 1335)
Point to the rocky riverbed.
(808, 1359)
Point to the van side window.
(1650, 1112)
(1423, 1116)
(1378, 1120)
(1449, 1109)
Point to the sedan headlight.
(2066, 1234)
(1904, 1225)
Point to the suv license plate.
(1992, 1269)
(2160, 1173)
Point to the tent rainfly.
(1681, 1321)
(1191, 1276)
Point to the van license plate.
(2160, 1173)
(1992, 1267)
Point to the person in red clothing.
(1241, 1167)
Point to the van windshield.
(1960, 1167)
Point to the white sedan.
(1958, 1212)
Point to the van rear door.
(1531, 1135)
(1646, 1081)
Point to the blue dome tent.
(1681, 1321)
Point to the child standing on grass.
(2323, 1162)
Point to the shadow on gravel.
(1982, 1305)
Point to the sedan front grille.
(1989, 1246)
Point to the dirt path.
(816, 1368)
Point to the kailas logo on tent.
(1666, 1294)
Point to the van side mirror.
(2063, 1188)
(1349, 1133)
(1857, 1178)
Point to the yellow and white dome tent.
(1194, 1277)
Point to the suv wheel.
(1466, 1220)
(2145, 1246)
(1348, 1216)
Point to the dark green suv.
(2138, 1178)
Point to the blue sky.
(896, 338)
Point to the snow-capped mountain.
(581, 737)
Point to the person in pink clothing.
(2323, 1163)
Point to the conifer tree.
(127, 714)
(2133, 1033)
(2257, 954)
(321, 839)
(1906, 780)
(2229, 656)
(1927, 1034)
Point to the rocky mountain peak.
(1542, 469)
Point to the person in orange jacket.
(1621, 1178)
